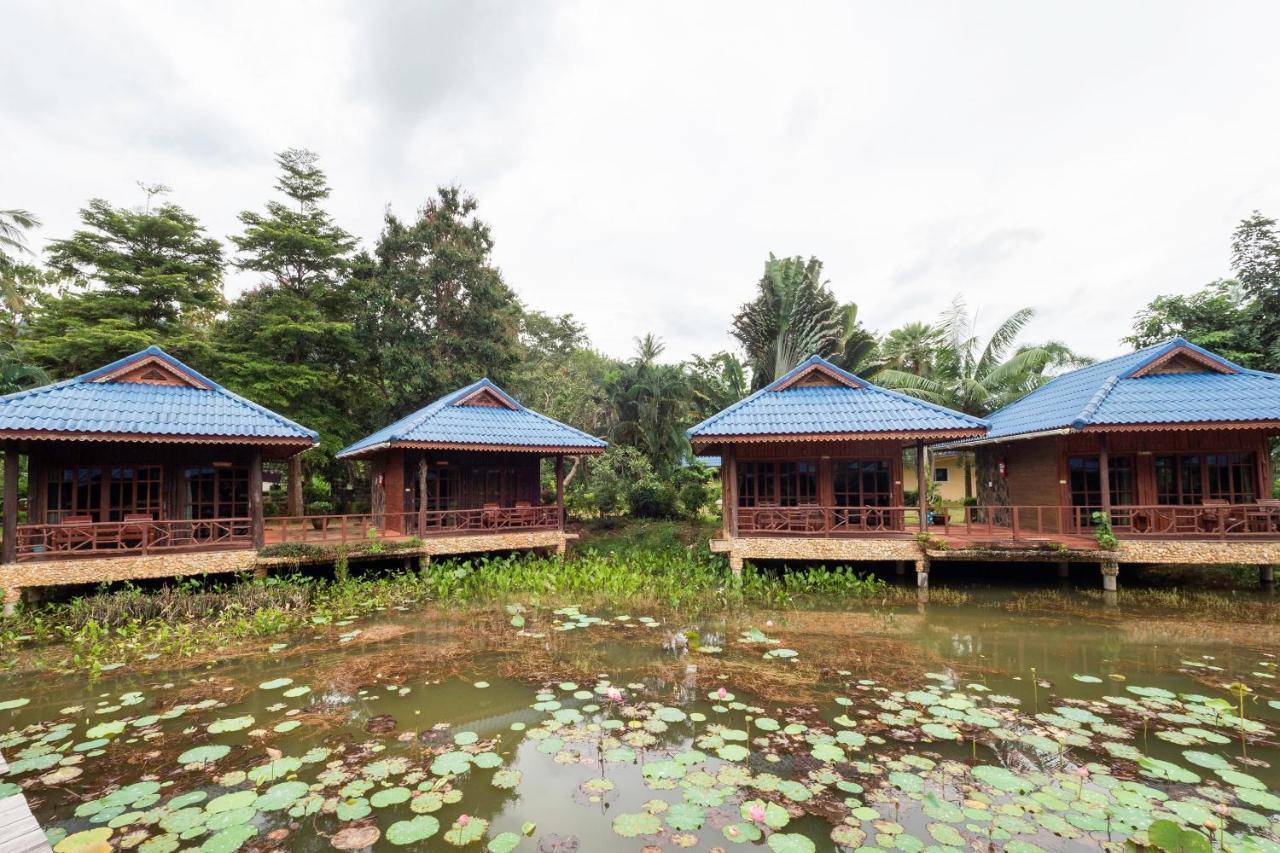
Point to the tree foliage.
(135, 277)
(435, 313)
(287, 343)
(795, 315)
(649, 405)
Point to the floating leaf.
(358, 837)
(230, 724)
(466, 830)
(790, 842)
(633, 824)
(275, 684)
(420, 828)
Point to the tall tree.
(288, 342)
(1255, 260)
(650, 405)
(912, 348)
(715, 382)
(135, 277)
(795, 315)
(14, 225)
(559, 374)
(435, 311)
(1219, 316)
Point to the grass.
(199, 620)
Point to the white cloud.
(637, 163)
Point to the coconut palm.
(795, 315)
(716, 382)
(14, 223)
(977, 377)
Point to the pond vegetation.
(632, 702)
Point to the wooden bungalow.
(1171, 444)
(812, 467)
(464, 473)
(143, 456)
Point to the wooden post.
(293, 495)
(422, 494)
(922, 483)
(560, 490)
(728, 460)
(255, 498)
(10, 551)
(1104, 474)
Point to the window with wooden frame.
(863, 482)
(1189, 479)
(217, 492)
(135, 490)
(1085, 476)
(442, 489)
(777, 484)
(73, 492)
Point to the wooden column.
(393, 486)
(255, 498)
(922, 483)
(10, 550)
(560, 489)
(729, 496)
(294, 497)
(1104, 474)
(422, 494)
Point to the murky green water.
(934, 727)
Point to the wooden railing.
(1010, 523)
(827, 520)
(355, 528)
(1228, 521)
(140, 536)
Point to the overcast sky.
(638, 162)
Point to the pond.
(557, 728)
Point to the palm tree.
(912, 348)
(716, 382)
(977, 377)
(14, 224)
(795, 315)
(16, 374)
(650, 404)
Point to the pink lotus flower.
(1082, 772)
(756, 812)
(731, 831)
(464, 820)
(768, 623)
(614, 694)
(722, 693)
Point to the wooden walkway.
(19, 830)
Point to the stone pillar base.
(12, 595)
(922, 573)
(735, 564)
(1110, 572)
(1267, 575)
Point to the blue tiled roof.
(1108, 393)
(859, 407)
(87, 407)
(444, 422)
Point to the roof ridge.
(1095, 402)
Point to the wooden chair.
(73, 533)
(135, 530)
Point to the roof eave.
(703, 441)
(544, 449)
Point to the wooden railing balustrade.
(353, 529)
(132, 536)
(1224, 522)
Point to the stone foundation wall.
(14, 576)
(100, 569)
(1198, 553)
(833, 550)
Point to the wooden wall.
(1037, 467)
